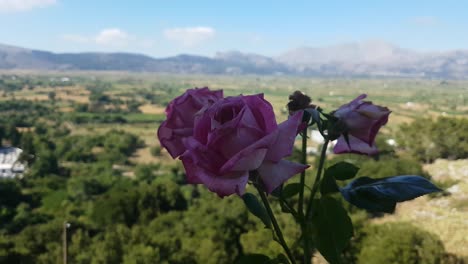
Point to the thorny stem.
(276, 227)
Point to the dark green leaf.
(342, 171)
(256, 208)
(314, 115)
(254, 259)
(290, 190)
(332, 228)
(381, 195)
(328, 185)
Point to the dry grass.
(143, 156)
(151, 109)
(82, 99)
(32, 97)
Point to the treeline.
(11, 83)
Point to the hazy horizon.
(370, 42)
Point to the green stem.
(317, 179)
(307, 246)
(303, 173)
(276, 227)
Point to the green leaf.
(290, 190)
(342, 171)
(328, 185)
(254, 259)
(332, 228)
(256, 208)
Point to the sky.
(165, 28)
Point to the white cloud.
(23, 5)
(189, 36)
(112, 37)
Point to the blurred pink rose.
(237, 135)
(181, 114)
(363, 120)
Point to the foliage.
(123, 210)
(400, 243)
(428, 139)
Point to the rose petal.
(263, 111)
(251, 161)
(234, 137)
(263, 143)
(284, 143)
(171, 139)
(273, 174)
(355, 146)
(203, 156)
(223, 185)
(190, 169)
(351, 106)
(181, 115)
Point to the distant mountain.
(224, 63)
(364, 59)
(365, 52)
(19, 58)
(376, 58)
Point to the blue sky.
(164, 28)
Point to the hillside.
(366, 59)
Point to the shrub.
(400, 243)
(155, 151)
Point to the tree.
(51, 96)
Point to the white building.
(317, 140)
(10, 167)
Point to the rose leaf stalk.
(303, 173)
(276, 227)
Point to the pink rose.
(181, 114)
(237, 135)
(363, 120)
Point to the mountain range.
(363, 59)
